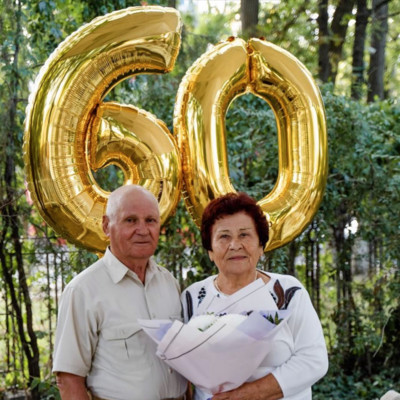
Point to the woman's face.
(235, 244)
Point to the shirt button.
(170, 370)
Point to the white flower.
(202, 322)
(232, 319)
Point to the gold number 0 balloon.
(234, 68)
(69, 132)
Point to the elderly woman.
(234, 231)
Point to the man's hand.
(72, 387)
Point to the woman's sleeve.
(309, 361)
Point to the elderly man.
(100, 351)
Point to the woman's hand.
(266, 388)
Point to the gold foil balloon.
(234, 68)
(142, 146)
(69, 132)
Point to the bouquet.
(215, 352)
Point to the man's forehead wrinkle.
(138, 216)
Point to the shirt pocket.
(127, 340)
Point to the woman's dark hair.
(229, 204)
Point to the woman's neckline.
(258, 275)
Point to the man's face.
(133, 229)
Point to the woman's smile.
(235, 245)
(237, 257)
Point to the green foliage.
(252, 145)
(274, 319)
(94, 8)
(47, 389)
(362, 187)
(367, 135)
(292, 25)
(199, 32)
(336, 385)
(180, 249)
(215, 24)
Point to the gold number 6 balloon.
(231, 69)
(69, 131)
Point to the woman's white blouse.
(299, 356)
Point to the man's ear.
(105, 224)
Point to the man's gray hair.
(114, 200)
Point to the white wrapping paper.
(222, 357)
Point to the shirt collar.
(117, 270)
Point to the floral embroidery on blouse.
(282, 298)
(201, 295)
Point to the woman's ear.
(211, 255)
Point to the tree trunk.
(323, 41)
(249, 17)
(49, 301)
(317, 286)
(172, 3)
(313, 265)
(339, 25)
(347, 320)
(391, 345)
(376, 69)
(8, 329)
(358, 66)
